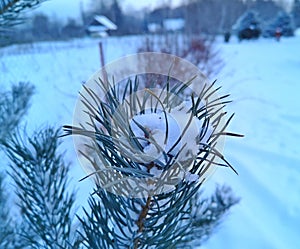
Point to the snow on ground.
(263, 79)
(57, 70)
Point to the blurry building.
(100, 26)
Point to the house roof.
(104, 21)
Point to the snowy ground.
(263, 79)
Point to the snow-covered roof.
(104, 21)
(173, 24)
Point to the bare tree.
(212, 16)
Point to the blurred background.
(57, 20)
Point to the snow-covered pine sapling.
(149, 151)
(40, 177)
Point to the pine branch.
(148, 176)
(6, 5)
(40, 177)
(13, 107)
(10, 227)
(6, 230)
(11, 10)
(143, 214)
(182, 219)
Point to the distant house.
(100, 26)
(167, 25)
(154, 27)
(173, 24)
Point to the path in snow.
(263, 79)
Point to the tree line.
(201, 16)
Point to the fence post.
(102, 62)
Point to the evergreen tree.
(282, 21)
(296, 13)
(267, 9)
(144, 197)
(177, 218)
(14, 104)
(10, 226)
(44, 218)
(40, 178)
(6, 230)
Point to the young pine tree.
(148, 152)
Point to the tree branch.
(6, 6)
(10, 10)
